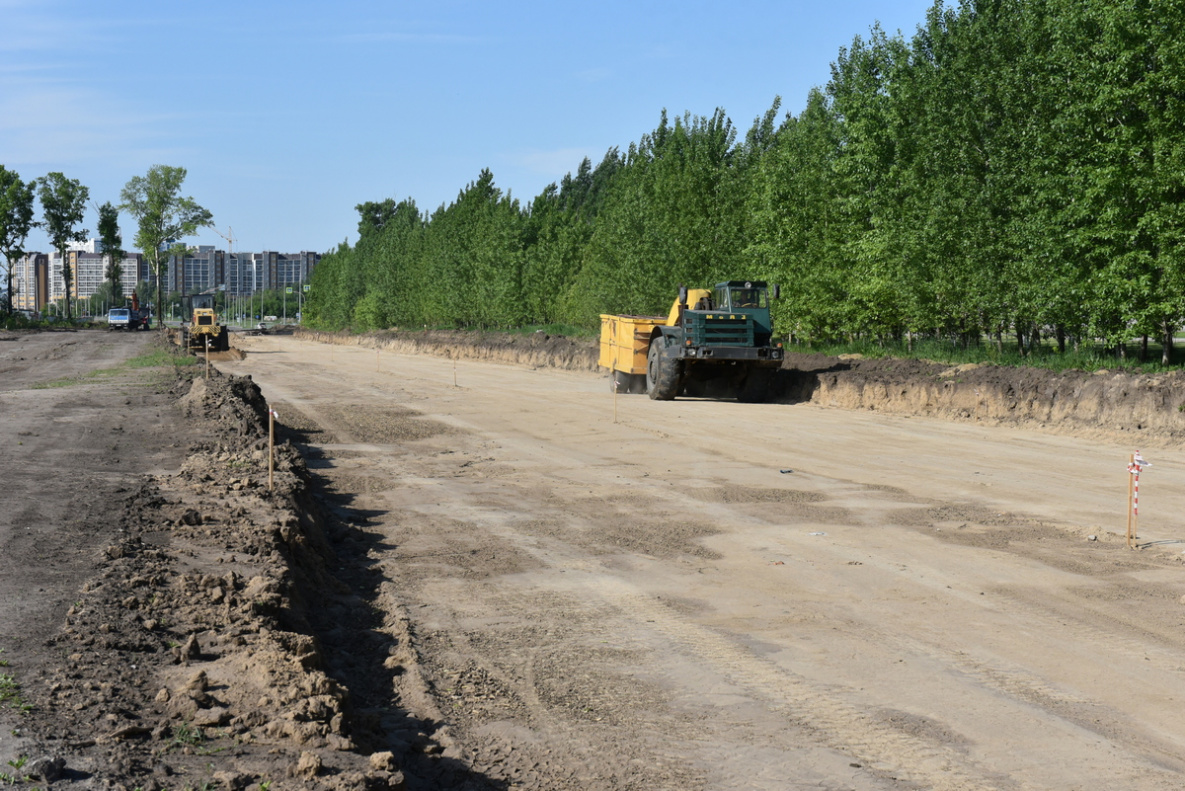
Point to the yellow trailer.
(713, 341)
(625, 341)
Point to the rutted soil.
(480, 578)
(205, 626)
(706, 594)
(1146, 408)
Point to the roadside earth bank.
(1148, 408)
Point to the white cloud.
(45, 123)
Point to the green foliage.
(112, 241)
(63, 202)
(163, 216)
(1012, 172)
(16, 220)
(10, 694)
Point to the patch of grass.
(186, 735)
(10, 694)
(156, 359)
(160, 358)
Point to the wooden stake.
(1131, 483)
(271, 450)
(454, 372)
(614, 380)
(378, 360)
(207, 337)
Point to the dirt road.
(78, 428)
(724, 596)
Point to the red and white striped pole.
(1134, 465)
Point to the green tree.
(112, 241)
(63, 202)
(163, 218)
(16, 219)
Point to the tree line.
(163, 216)
(1015, 169)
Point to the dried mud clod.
(191, 650)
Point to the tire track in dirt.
(537, 494)
(837, 724)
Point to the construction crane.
(229, 236)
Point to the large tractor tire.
(223, 340)
(662, 371)
(621, 382)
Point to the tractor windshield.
(747, 298)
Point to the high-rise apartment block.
(37, 277)
(207, 269)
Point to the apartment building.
(37, 277)
(239, 273)
(30, 282)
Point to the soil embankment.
(1148, 408)
(188, 649)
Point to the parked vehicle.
(122, 319)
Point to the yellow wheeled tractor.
(203, 325)
(713, 342)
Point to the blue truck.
(127, 319)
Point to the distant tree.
(63, 202)
(164, 217)
(16, 218)
(112, 241)
(374, 216)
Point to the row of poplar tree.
(1016, 168)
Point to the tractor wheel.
(662, 371)
(755, 388)
(223, 340)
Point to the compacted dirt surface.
(706, 594)
(482, 575)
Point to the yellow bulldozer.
(203, 327)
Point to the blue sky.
(287, 115)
